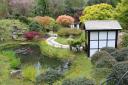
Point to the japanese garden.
(63, 42)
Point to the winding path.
(51, 41)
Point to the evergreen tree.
(41, 8)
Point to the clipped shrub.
(78, 81)
(65, 20)
(118, 72)
(34, 26)
(46, 20)
(31, 35)
(103, 59)
(97, 12)
(121, 54)
(48, 23)
(51, 76)
(67, 32)
(108, 49)
(29, 73)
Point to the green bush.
(117, 73)
(51, 76)
(108, 49)
(7, 26)
(14, 61)
(34, 26)
(29, 73)
(78, 81)
(124, 42)
(103, 59)
(67, 32)
(121, 54)
(97, 12)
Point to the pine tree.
(41, 8)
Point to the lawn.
(62, 40)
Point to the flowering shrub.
(65, 20)
(31, 35)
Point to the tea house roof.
(102, 25)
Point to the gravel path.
(51, 41)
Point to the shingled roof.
(102, 25)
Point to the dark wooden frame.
(88, 31)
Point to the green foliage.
(34, 26)
(103, 59)
(117, 73)
(14, 61)
(108, 49)
(3, 8)
(97, 12)
(29, 73)
(78, 81)
(66, 32)
(124, 42)
(112, 2)
(7, 26)
(121, 54)
(41, 8)
(52, 76)
(122, 13)
(54, 52)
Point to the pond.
(30, 55)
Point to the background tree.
(122, 13)
(3, 8)
(21, 7)
(41, 8)
(56, 7)
(97, 12)
(72, 6)
(112, 2)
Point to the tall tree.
(122, 13)
(3, 8)
(72, 6)
(112, 2)
(41, 8)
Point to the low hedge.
(118, 72)
(65, 32)
(103, 59)
(78, 81)
(121, 54)
(108, 49)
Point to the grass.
(62, 40)
(81, 67)
(53, 52)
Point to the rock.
(15, 74)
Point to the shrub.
(31, 35)
(47, 22)
(29, 73)
(124, 42)
(97, 12)
(108, 49)
(51, 76)
(67, 32)
(65, 20)
(78, 81)
(103, 59)
(14, 61)
(117, 73)
(121, 54)
(43, 20)
(34, 26)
